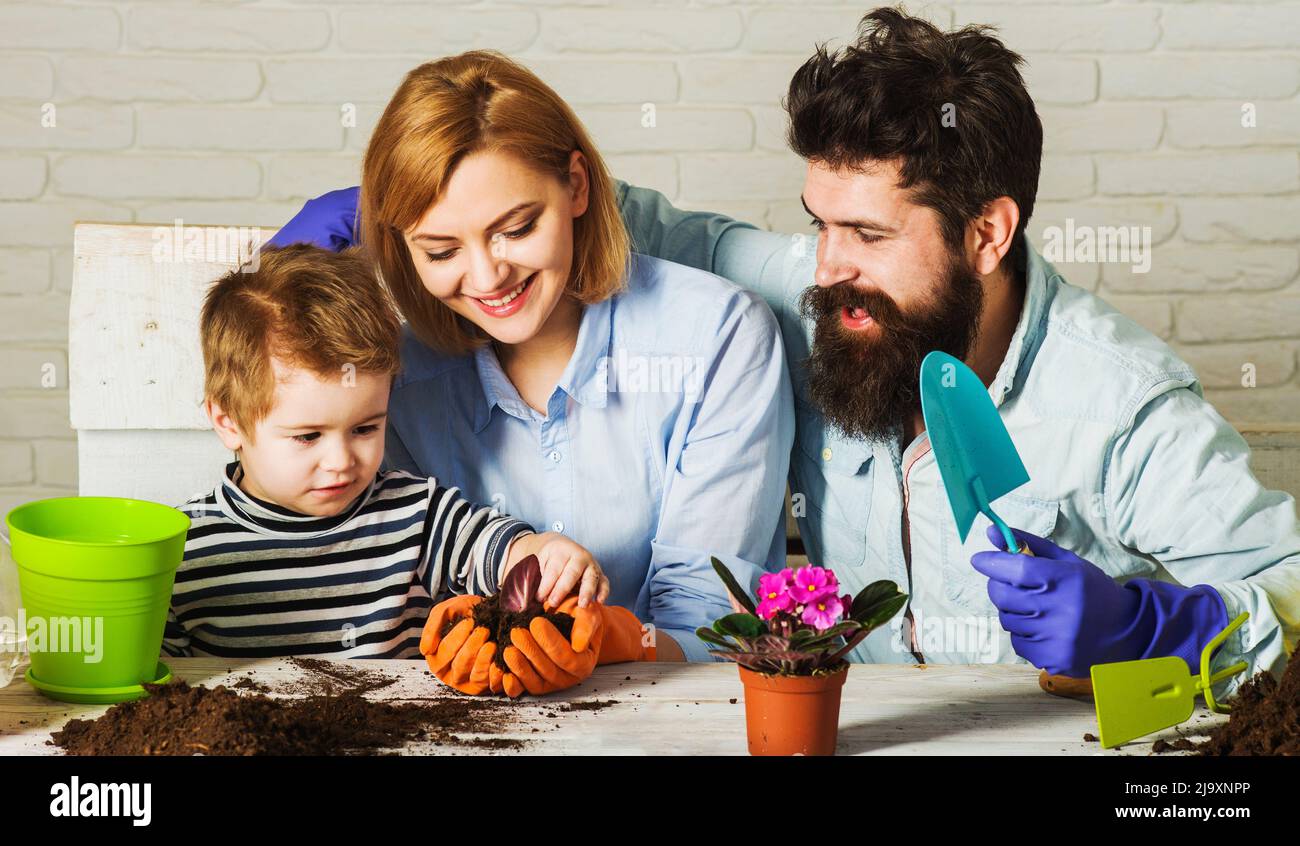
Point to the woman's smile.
(510, 303)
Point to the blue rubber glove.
(1065, 614)
(328, 221)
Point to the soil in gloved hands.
(514, 606)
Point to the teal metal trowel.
(977, 460)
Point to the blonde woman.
(641, 407)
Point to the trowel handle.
(1007, 535)
(1067, 686)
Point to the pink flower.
(774, 594)
(823, 612)
(811, 583)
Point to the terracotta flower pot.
(793, 715)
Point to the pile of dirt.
(334, 718)
(1265, 720)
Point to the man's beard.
(867, 387)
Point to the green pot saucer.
(98, 695)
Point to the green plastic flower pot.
(95, 575)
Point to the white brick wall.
(146, 111)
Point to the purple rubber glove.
(1065, 614)
(328, 221)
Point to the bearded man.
(1148, 529)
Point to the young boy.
(306, 547)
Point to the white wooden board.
(686, 709)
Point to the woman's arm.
(725, 493)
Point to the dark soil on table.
(1265, 720)
(488, 614)
(333, 718)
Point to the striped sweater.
(259, 580)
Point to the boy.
(306, 547)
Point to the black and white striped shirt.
(259, 580)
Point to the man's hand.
(1063, 613)
(327, 221)
(565, 565)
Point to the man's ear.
(224, 426)
(990, 234)
(579, 183)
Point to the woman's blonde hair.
(448, 109)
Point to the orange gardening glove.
(544, 661)
(455, 659)
(623, 636)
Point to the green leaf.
(710, 636)
(882, 613)
(872, 595)
(739, 625)
(877, 603)
(733, 587)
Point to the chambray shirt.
(1129, 466)
(666, 441)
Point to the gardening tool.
(1135, 698)
(977, 461)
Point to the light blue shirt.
(666, 441)
(1130, 467)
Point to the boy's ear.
(224, 426)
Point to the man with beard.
(923, 152)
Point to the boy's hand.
(565, 565)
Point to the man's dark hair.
(884, 98)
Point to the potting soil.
(1265, 720)
(334, 718)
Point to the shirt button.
(557, 526)
(555, 455)
(826, 453)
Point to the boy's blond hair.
(307, 306)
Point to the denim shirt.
(1129, 466)
(666, 441)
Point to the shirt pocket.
(834, 477)
(965, 585)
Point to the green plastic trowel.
(1140, 697)
(977, 460)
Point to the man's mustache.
(827, 303)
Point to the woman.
(641, 407)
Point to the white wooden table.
(687, 709)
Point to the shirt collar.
(584, 378)
(267, 517)
(1029, 328)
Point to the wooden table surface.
(694, 709)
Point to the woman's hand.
(544, 661)
(456, 658)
